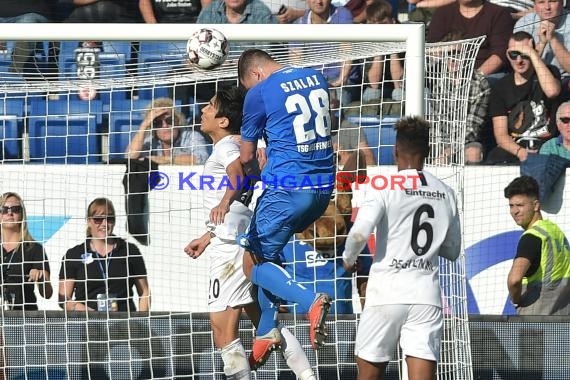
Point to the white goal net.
(70, 106)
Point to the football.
(207, 48)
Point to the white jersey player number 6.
(319, 104)
(426, 227)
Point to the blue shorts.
(278, 215)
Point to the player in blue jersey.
(321, 270)
(289, 108)
(314, 259)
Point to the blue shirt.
(255, 12)
(321, 272)
(290, 110)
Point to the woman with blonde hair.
(164, 138)
(99, 273)
(24, 261)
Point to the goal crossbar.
(411, 34)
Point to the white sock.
(236, 366)
(295, 356)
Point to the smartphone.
(282, 9)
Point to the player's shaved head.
(412, 136)
(251, 58)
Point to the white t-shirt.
(413, 228)
(223, 154)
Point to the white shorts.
(418, 327)
(228, 284)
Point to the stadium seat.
(159, 57)
(118, 47)
(156, 59)
(12, 106)
(70, 139)
(64, 131)
(10, 141)
(129, 105)
(11, 118)
(6, 76)
(40, 107)
(380, 135)
(149, 93)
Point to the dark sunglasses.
(514, 54)
(11, 209)
(100, 218)
(564, 120)
(157, 123)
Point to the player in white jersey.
(415, 224)
(230, 291)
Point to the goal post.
(63, 135)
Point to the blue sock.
(275, 279)
(269, 305)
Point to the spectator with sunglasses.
(164, 139)
(522, 103)
(24, 261)
(99, 273)
(560, 145)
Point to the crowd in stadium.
(522, 70)
(518, 108)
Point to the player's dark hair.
(248, 58)
(229, 103)
(378, 11)
(412, 135)
(522, 36)
(523, 185)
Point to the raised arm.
(548, 29)
(134, 148)
(549, 83)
